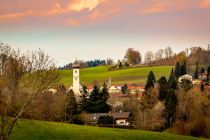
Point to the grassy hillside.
(37, 130)
(101, 74)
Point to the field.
(101, 74)
(38, 130)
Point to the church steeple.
(76, 78)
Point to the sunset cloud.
(204, 4)
(91, 10)
(79, 5)
(156, 8)
(98, 14)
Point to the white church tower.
(76, 87)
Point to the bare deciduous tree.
(159, 55)
(109, 61)
(23, 77)
(149, 57)
(168, 52)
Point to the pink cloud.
(156, 8)
(91, 10)
(204, 4)
(98, 14)
(48, 10)
(85, 4)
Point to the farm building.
(121, 118)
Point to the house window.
(75, 71)
(76, 78)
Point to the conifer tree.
(105, 97)
(70, 105)
(177, 70)
(150, 81)
(83, 104)
(167, 90)
(104, 93)
(170, 103)
(97, 102)
(172, 82)
(163, 88)
(183, 68)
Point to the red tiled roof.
(135, 87)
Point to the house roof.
(135, 87)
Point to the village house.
(186, 76)
(136, 88)
(121, 118)
(114, 89)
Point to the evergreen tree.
(183, 68)
(150, 81)
(97, 102)
(196, 72)
(172, 82)
(163, 88)
(170, 103)
(167, 95)
(104, 92)
(83, 104)
(177, 70)
(70, 105)
(105, 97)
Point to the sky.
(98, 29)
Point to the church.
(76, 87)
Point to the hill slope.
(37, 130)
(101, 74)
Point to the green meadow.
(39, 130)
(101, 75)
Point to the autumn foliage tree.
(133, 56)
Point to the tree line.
(165, 56)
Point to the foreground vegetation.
(101, 74)
(37, 130)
